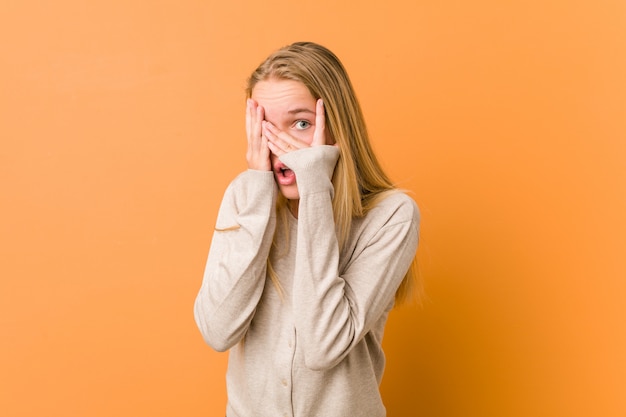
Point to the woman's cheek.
(304, 136)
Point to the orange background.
(121, 123)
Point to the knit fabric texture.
(314, 347)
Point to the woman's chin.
(290, 192)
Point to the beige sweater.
(317, 350)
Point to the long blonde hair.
(359, 181)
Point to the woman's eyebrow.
(300, 110)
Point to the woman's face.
(290, 107)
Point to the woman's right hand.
(258, 153)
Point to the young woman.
(312, 247)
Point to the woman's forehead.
(278, 91)
(283, 97)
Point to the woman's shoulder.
(251, 180)
(391, 209)
(252, 177)
(394, 206)
(249, 189)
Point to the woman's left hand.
(281, 142)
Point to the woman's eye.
(302, 124)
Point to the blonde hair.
(359, 180)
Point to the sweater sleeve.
(234, 276)
(335, 311)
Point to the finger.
(259, 114)
(319, 135)
(252, 119)
(270, 134)
(274, 144)
(279, 139)
(248, 118)
(274, 149)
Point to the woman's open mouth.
(284, 175)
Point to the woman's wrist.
(313, 167)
